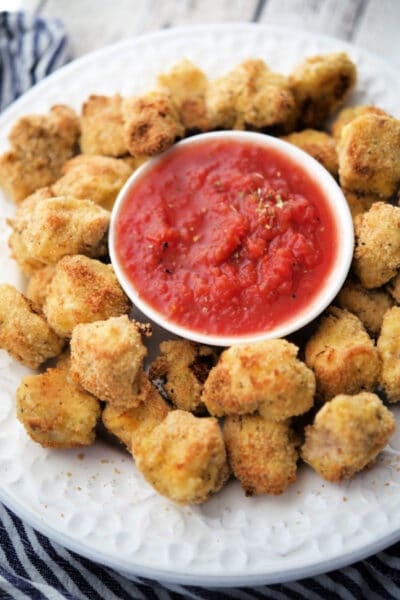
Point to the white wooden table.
(91, 24)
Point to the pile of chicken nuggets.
(201, 414)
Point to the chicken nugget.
(393, 287)
(83, 290)
(151, 123)
(136, 421)
(25, 334)
(319, 145)
(184, 366)
(107, 360)
(183, 458)
(263, 376)
(187, 86)
(262, 453)
(349, 114)
(40, 145)
(388, 345)
(342, 355)
(46, 229)
(38, 284)
(368, 305)
(347, 435)
(320, 85)
(55, 412)
(251, 97)
(102, 126)
(358, 202)
(369, 155)
(97, 178)
(377, 251)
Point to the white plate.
(95, 502)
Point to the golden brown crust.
(320, 85)
(185, 366)
(369, 155)
(24, 334)
(389, 349)
(107, 360)
(103, 126)
(358, 202)
(377, 252)
(55, 412)
(38, 284)
(347, 435)
(83, 290)
(183, 458)
(97, 178)
(136, 421)
(368, 305)
(262, 453)
(346, 115)
(263, 376)
(342, 355)
(319, 145)
(393, 287)
(151, 124)
(40, 145)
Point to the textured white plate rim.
(337, 559)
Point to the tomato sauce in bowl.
(227, 236)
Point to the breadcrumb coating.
(359, 203)
(83, 290)
(368, 305)
(321, 84)
(183, 458)
(393, 287)
(262, 453)
(348, 114)
(38, 285)
(55, 412)
(102, 126)
(136, 421)
(25, 334)
(389, 349)
(185, 366)
(369, 155)
(377, 251)
(40, 145)
(263, 376)
(342, 355)
(347, 435)
(151, 123)
(319, 145)
(98, 178)
(107, 360)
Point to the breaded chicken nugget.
(393, 287)
(251, 97)
(40, 145)
(46, 229)
(137, 421)
(185, 366)
(347, 435)
(187, 86)
(55, 412)
(151, 123)
(377, 252)
(36, 290)
(183, 458)
(349, 114)
(389, 349)
(23, 333)
(102, 126)
(107, 360)
(368, 305)
(319, 145)
(83, 290)
(342, 355)
(262, 453)
(263, 376)
(358, 202)
(98, 178)
(369, 155)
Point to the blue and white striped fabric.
(30, 48)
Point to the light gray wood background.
(91, 24)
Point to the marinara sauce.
(226, 238)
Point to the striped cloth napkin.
(32, 567)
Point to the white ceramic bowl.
(333, 282)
